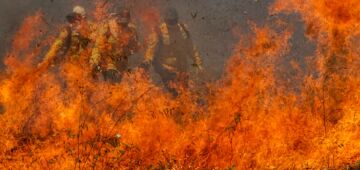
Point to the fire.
(65, 120)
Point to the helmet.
(171, 16)
(79, 10)
(124, 16)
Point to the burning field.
(61, 118)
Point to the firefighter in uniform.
(72, 40)
(117, 40)
(169, 50)
(68, 48)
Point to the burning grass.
(65, 120)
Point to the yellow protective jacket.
(170, 48)
(70, 42)
(113, 46)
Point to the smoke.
(214, 25)
(245, 120)
(12, 13)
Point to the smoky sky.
(211, 22)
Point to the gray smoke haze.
(211, 23)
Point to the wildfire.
(66, 120)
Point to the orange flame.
(66, 120)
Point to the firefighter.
(169, 50)
(72, 40)
(116, 41)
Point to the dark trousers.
(169, 77)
